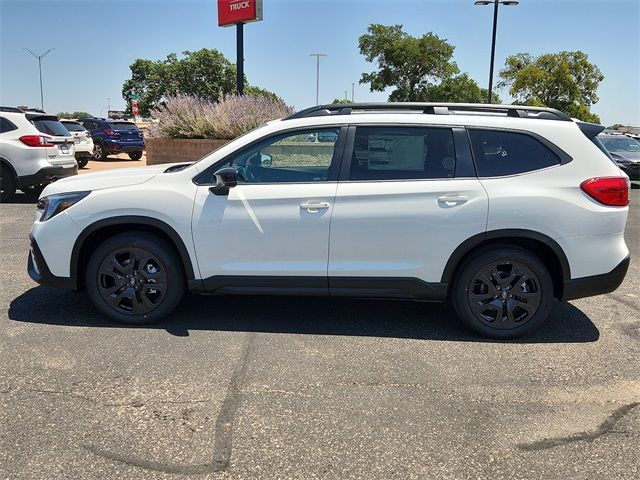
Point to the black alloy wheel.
(99, 153)
(135, 155)
(135, 278)
(503, 292)
(7, 184)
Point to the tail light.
(611, 191)
(111, 133)
(36, 141)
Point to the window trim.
(334, 167)
(462, 153)
(562, 155)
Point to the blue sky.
(96, 40)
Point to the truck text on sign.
(231, 12)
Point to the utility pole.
(345, 95)
(353, 89)
(40, 57)
(317, 55)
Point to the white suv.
(82, 141)
(495, 209)
(35, 149)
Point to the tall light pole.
(40, 57)
(317, 55)
(353, 89)
(496, 4)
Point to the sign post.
(239, 12)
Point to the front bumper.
(39, 270)
(47, 175)
(596, 284)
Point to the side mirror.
(265, 160)
(226, 178)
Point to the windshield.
(123, 126)
(621, 144)
(73, 126)
(51, 127)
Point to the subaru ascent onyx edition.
(495, 209)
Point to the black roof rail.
(11, 109)
(517, 111)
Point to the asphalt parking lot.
(254, 387)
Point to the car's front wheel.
(135, 155)
(503, 292)
(135, 278)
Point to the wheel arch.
(5, 163)
(543, 246)
(98, 232)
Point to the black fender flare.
(132, 220)
(504, 234)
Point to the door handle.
(452, 200)
(314, 207)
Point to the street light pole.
(40, 57)
(496, 4)
(317, 55)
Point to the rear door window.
(402, 153)
(499, 153)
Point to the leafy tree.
(205, 73)
(73, 115)
(409, 64)
(341, 100)
(615, 126)
(458, 89)
(566, 81)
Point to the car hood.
(630, 156)
(120, 177)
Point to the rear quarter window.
(499, 153)
(6, 125)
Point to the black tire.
(135, 155)
(502, 292)
(99, 153)
(82, 161)
(7, 184)
(124, 290)
(33, 191)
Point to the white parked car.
(82, 141)
(498, 210)
(35, 149)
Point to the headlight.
(52, 205)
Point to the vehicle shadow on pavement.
(297, 315)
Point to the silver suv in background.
(625, 150)
(35, 150)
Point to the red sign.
(134, 109)
(231, 12)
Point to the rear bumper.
(596, 284)
(47, 175)
(125, 146)
(39, 270)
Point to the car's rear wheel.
(135, 155)
(135, 278)
(503, 292)
(99, 152)
(82, 161)
(7, 184)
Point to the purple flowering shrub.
(187, 116)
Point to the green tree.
(341, 100)
(205, 73)
(566, 81)
(409, 64)
(457, 89)
(73, 115)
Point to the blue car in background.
(114, 136)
